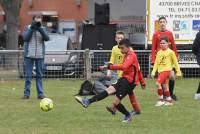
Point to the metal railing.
(83, 64)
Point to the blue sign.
(196, 24)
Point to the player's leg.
(112, 109)
(160, 101)
(120, 107)
(86, 102)
(162, 79)
(168, 98)
(171, 85)
(135, 104)
(121, 92)
(197, 95)
(136, 107)
(124, 89)
(110, 90)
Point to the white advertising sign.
(183, 18)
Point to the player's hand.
(108, 76)
(179, 76)
(103, 67)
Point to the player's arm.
(177, 67)
(155, 67)
(173, 45)
(153, 48)
(141, 79)
(126, 64)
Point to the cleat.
(25, 97)
(197, 96)
(133, 113)
(168, 103)
(160, 103)
(41, 97)
(112, 110)
(84, 102)
(127, 119)
(174, 97)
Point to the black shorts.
(123, 87)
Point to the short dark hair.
(36, 16)
(164, 38)
(125, 42)
(161, 18)
(120, 32)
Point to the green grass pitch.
(68, 117)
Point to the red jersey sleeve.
(173, 44)
(153, 48)
(128, 61)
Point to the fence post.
(87, 64)
(149, 73)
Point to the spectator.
(34, 36)
(196, 51)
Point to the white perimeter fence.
(83, 64)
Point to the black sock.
(198, 90)
(99, 97)
(122, 109)
(171, 87)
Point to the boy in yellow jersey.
(165, 60)
(116, 55)
(117, 58)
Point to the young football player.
(165, 60)
(117, 58)
(124, 85)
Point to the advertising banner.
(183, 18)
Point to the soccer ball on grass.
(46, 104)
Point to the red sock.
(167, 94)
(134, 103)
(160, 93)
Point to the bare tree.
(12, 11)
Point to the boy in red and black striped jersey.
(124, 85)
(163, 32)
(117, 58)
